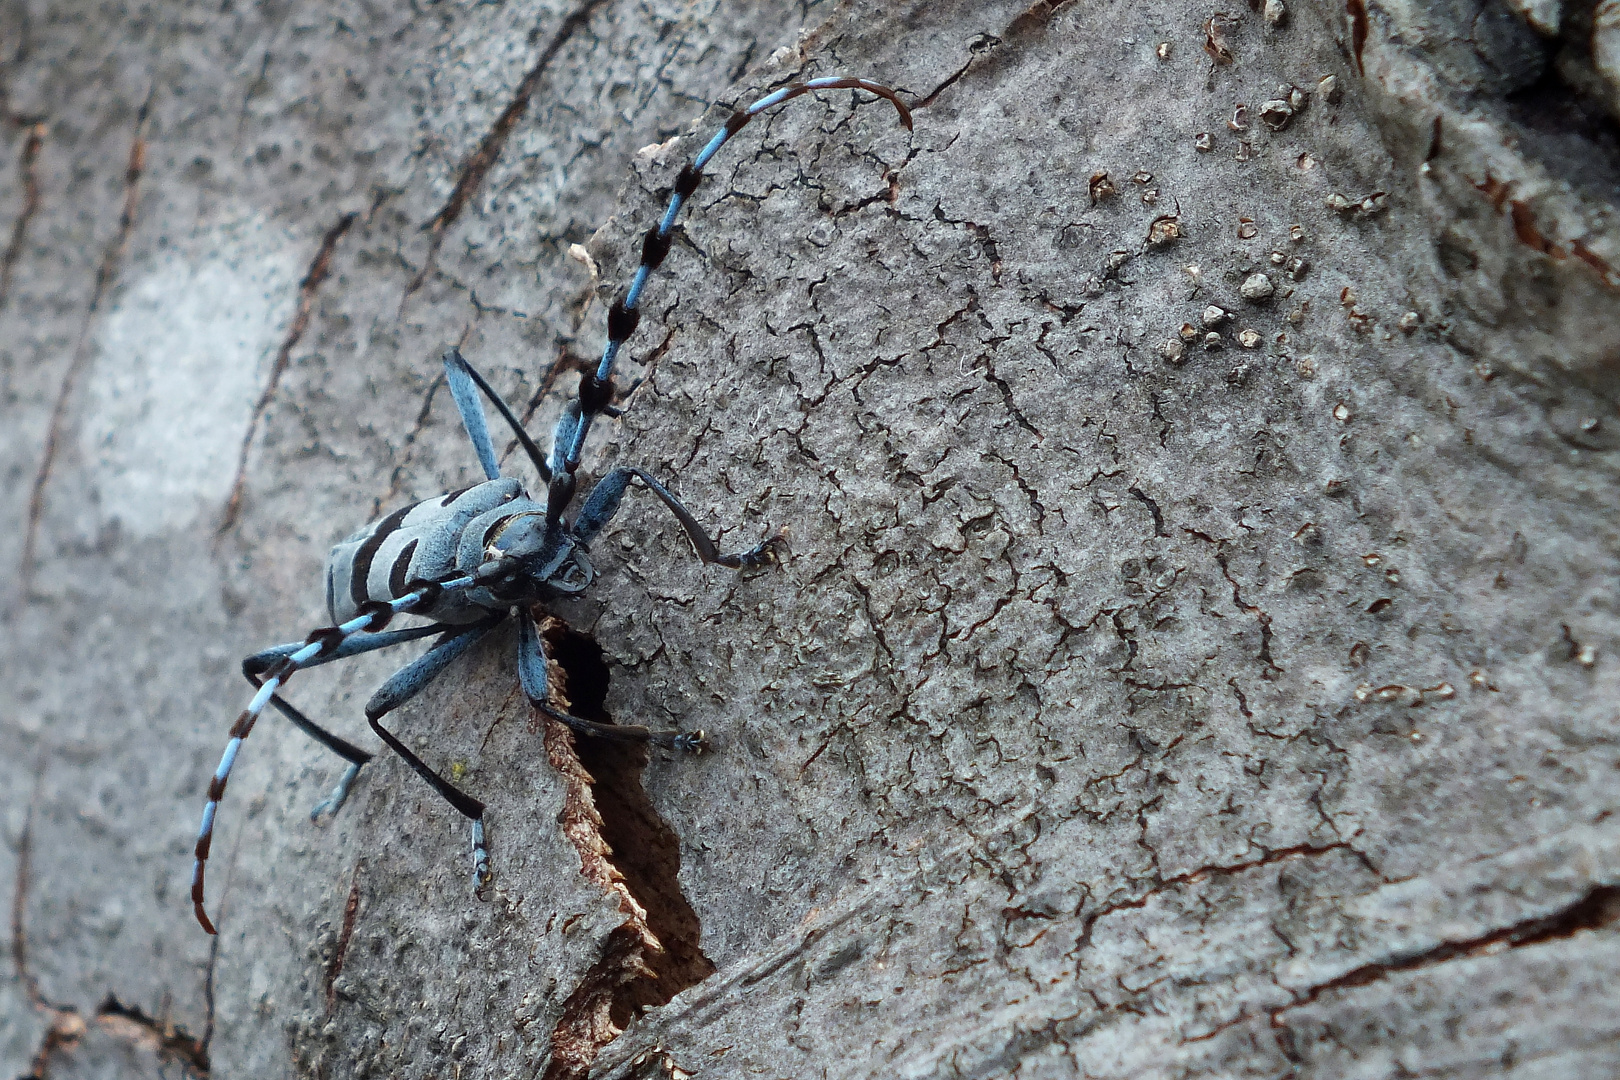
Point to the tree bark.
(1198, 442)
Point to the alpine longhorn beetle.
(469, 559)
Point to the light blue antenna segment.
(633, 295)
(267, 690)
(712, 149)
(262, 698)
(667, 222)
(227, 759)
(571, 440)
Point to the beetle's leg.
(328, 642)
(464, 383)
(603, 503)
(405, 684)
(260, 662)
(532, 674)
(355, 756)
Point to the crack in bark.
(1193, 877)
(628, 851)
(1153, 508)
(1356, 10)
(481, 160)
(208, 993)
(1597, 909)
(1243, 702)
(1262, 617)
(19, 906)
(1527, 232)
(404, 455)
(167, 1040)
(319, 269)
(1036, 17)
(351, 909)
(105, 274)
(65, 1025)
(28, 167)
(66, 1029)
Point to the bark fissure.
(626, 848)
(320, 268)
(404, 456)
(105, 273)
(481, 160)
(168, 1040)
(1597, 909)
(1193, 877)
(351, 909)
(28, 172)
(1261, 617)
(65, 1023)
(65, 1026)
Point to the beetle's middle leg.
(405, 684)
(260, 662)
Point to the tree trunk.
(1197, 439)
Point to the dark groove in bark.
(66, 1029)
(1193, 877)
(1597, 909)
(105, 274)
(28, 167)
(656, 953)
(319, 269)
(481, 160)
(1253, 609)
(404, 455)
(169, 1041)
(64, 1026)
(351, 909)
(208, 993)
(19, 902)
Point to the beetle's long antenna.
(596, 388)
(374, 616)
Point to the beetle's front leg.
(536, 685)
(603, 503)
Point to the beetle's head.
(525, 558)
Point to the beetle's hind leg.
(692, 742)
(355, 756)
(405, 684)
(260, 662)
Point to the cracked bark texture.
(1130, 707)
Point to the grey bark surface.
(1154, 691)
